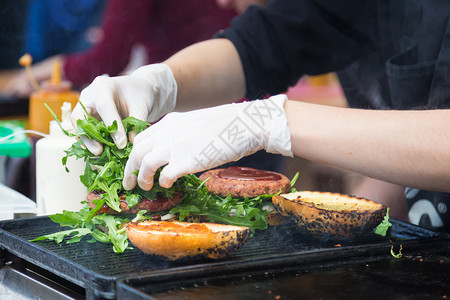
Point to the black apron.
(409, 70)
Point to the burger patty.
(245, 186)
(151, 205)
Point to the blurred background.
(72, 42)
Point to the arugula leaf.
(131, 123)
(140, 216)
(294, 179)
(84, 225)
(84, 127)
(132, 199)
(383, 227)
(88, 178)
(399, 254)
(117, 236)
(58, 237)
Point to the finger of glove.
(79, 113)
(151, 162)
(135, 161)
(108, 112)
(171, 173)
(140, 112)
(129, 178)
(144, 135)
(131, 135)
(92, 145)
(139, 109)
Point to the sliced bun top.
(334, 201)
(330, 215)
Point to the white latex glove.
(146, 94)
(202, 139)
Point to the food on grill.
(176, 240)
(245, 182)
(240, 182)
(110, 206)
(330, 215)
(160, 203)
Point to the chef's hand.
(146, 94)
(202, 139)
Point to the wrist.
(267, 119)
(279, 140)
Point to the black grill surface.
(96, 268)
(424, 276)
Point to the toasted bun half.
(330, 215)
(274, 219)
(176, 240)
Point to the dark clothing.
(388, 54)
(383, 49)
(12, 19)
(289, 39)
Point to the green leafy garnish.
(85, 223)
(105, 173)
(399, 254)
(198, 201)
(383, 227)
(293, 181)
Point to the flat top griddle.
(97, 269)
(412, 277)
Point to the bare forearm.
(409, 148)
(209, 71)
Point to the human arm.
(288, 39)
(209, 71)
(409, 148)
(18, 84)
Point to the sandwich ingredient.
(104, 174)
(176, 240)
(245, 182)
(329, 214)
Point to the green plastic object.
(17, 145)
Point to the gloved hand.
(146, 94)
(202, 139)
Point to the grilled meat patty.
(241, 182)
(151, 205)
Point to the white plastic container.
(57, 190)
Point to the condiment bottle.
(54, 93)
(57, 190)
